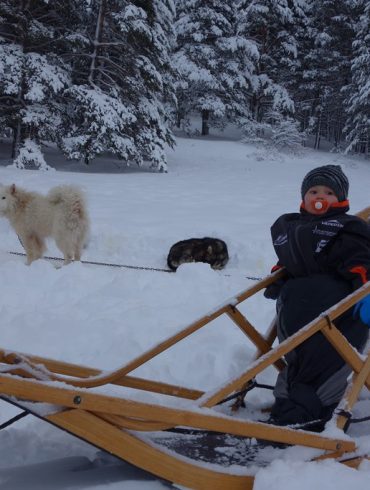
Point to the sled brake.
(183, 438)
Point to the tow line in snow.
(125, 266)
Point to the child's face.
(319, 194)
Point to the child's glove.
(273, 290)
(362, 309)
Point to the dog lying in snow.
(61, 214)
(212, 251)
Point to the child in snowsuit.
(326, 254)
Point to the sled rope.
(14, 419)
(121, 266)
(104, 264)
(183, 430)
(350, 419)
(250, 387)
(302, 426)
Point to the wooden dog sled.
(218, 450)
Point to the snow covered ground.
(103, 317)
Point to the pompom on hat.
(329, 175)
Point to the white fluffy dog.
(61, 214)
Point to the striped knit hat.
(329, 175)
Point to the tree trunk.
(180, 114)
(97, 41)
(318, 131)
(19, 132)
(16, 143)
(205, 120)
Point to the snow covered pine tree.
(32, 77)
(122, 79)
(213, 61)
(358, 100)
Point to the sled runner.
(183, 438)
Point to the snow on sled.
(184, 438)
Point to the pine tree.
(285, 133)
(358, 92)
(326, 51)
(272, 24)
(211, 61)
(121, 82)
(32, 76)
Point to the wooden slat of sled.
(79, 371)
(145, 456)
(364, 214)
(342, 346)
(247, 328)
(347, 351)
(354, 462)
(134, 423)
(269, 337)
(360, 368)
(32, 390)
(353, 390)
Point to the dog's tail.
(72, 200)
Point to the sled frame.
(115, 424)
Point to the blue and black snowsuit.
(326, 258)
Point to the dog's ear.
(12, 189)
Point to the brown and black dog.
(212, 251)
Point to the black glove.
(273, 291)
